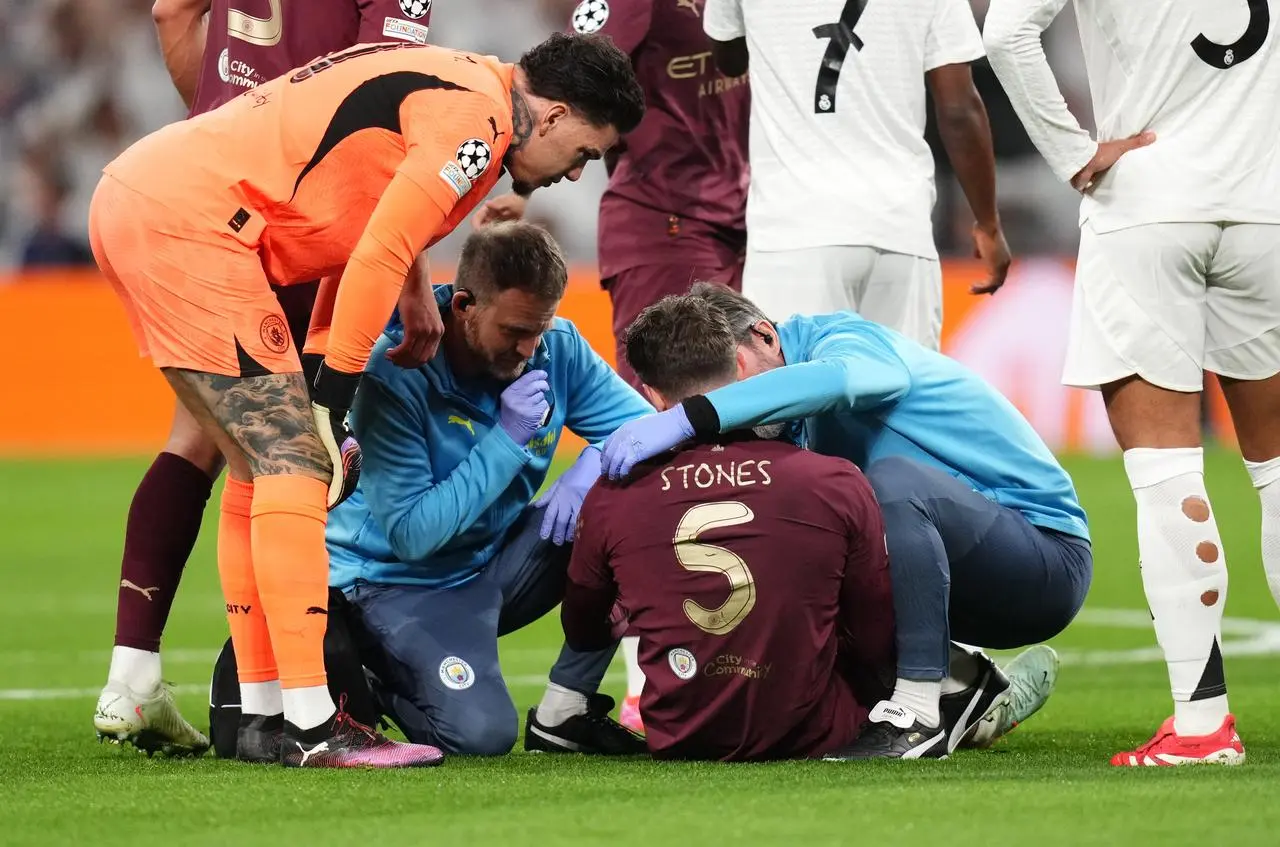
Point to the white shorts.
(899, 291)
(1169, 301)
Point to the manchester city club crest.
(682, 663)
(456, 674)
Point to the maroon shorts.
(635, 289)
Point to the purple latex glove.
(524, 405)
(563, 499)
(643, 438)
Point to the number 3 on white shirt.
(1224, 56)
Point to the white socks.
(1184, 576)
(138, 669)
(559, 704)
(306, 708)
(924, 696)
(962, 670)
(1264, 475)
(920, 697)
(261, 698)
(635, 676)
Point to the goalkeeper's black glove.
(332, 393)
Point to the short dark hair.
(740, 312)
(681, 346)
(512, 254)
(589, 74)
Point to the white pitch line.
(1242, 637)
(193, 655)
(179, 656)
(78, 693)
(203, 688)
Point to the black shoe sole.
(151, 742)
(924, 750)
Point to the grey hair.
(740, 312)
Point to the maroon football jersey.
(252, 41)
(678, 188)
(754, 572)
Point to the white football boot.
(151, 722)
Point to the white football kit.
(1179, 267)
(842, 180)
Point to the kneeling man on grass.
(441, 550)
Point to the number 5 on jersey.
(694, 555)
(842, 37)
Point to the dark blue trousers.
(435, 650)
(965, 568)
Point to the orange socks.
(292, 569)
(249, 635)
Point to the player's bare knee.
(1146, 415)
(300, 454)
(269, 418)
(193, 444)
(1255, 407)
(238, 468)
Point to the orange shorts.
(196, 298)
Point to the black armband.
(702, 416)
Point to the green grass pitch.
(61, 526)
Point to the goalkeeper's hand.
(332, 393)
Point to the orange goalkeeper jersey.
(363, 158)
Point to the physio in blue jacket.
(987, 541)
(442, 548)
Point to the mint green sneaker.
(1033, 674)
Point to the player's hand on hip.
(423, 326)
(524, 406)
(641, 439)
(990, 247)
(331, 397)
(563, 500)
(508, 207)
(1109, 152)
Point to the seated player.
(987, 540)
(361, 160)
(753, 572)
(440, 550)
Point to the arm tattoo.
(521, 121)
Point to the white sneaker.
(151, 722)
(1033, 674)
